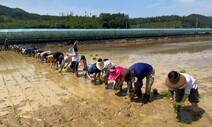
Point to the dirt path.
(32, 94)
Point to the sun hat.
(100, 64)
(175, 80)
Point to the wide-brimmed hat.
(179, 82)
(100, 65)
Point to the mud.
(32, 94)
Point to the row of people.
(182, 85)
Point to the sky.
(133, 8)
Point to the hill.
(173, 21)
(12, 14)
(18, 18)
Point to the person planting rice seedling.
(51, 60)
(140, 71)
(105, 66)
(29, 51)
(44, 55)
(95, 72)
(184, 86)
(66, 60)
(55, 59)
(37, 53)
(83, 64)
(116, 75)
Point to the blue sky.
(134, 8)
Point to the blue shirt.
(141, 70)
(93, 69)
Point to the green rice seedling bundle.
(94, 58)
(183, 71)
(166, 93)
(178, 105)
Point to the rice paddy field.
(34, 95)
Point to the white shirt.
(109, 65)
(75, 57)
(191, 83)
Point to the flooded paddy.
(33, 94)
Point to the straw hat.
(175, 83)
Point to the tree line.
(18, 18)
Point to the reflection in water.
(190, 47)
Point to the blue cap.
(91, 69)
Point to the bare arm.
(67, 64)
(185, 96)
(88, 75)
(119, 83)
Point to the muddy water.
(27, 85)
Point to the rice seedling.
(68, 69)
(178, 105)
(199, 95)
(182, 71)
(155, 91)
(94, 58)
(181, 104)
(165, 93)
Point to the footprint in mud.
(15, 84)
(61, 94)
(27, 88)
(22, 103)
(2, 101)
